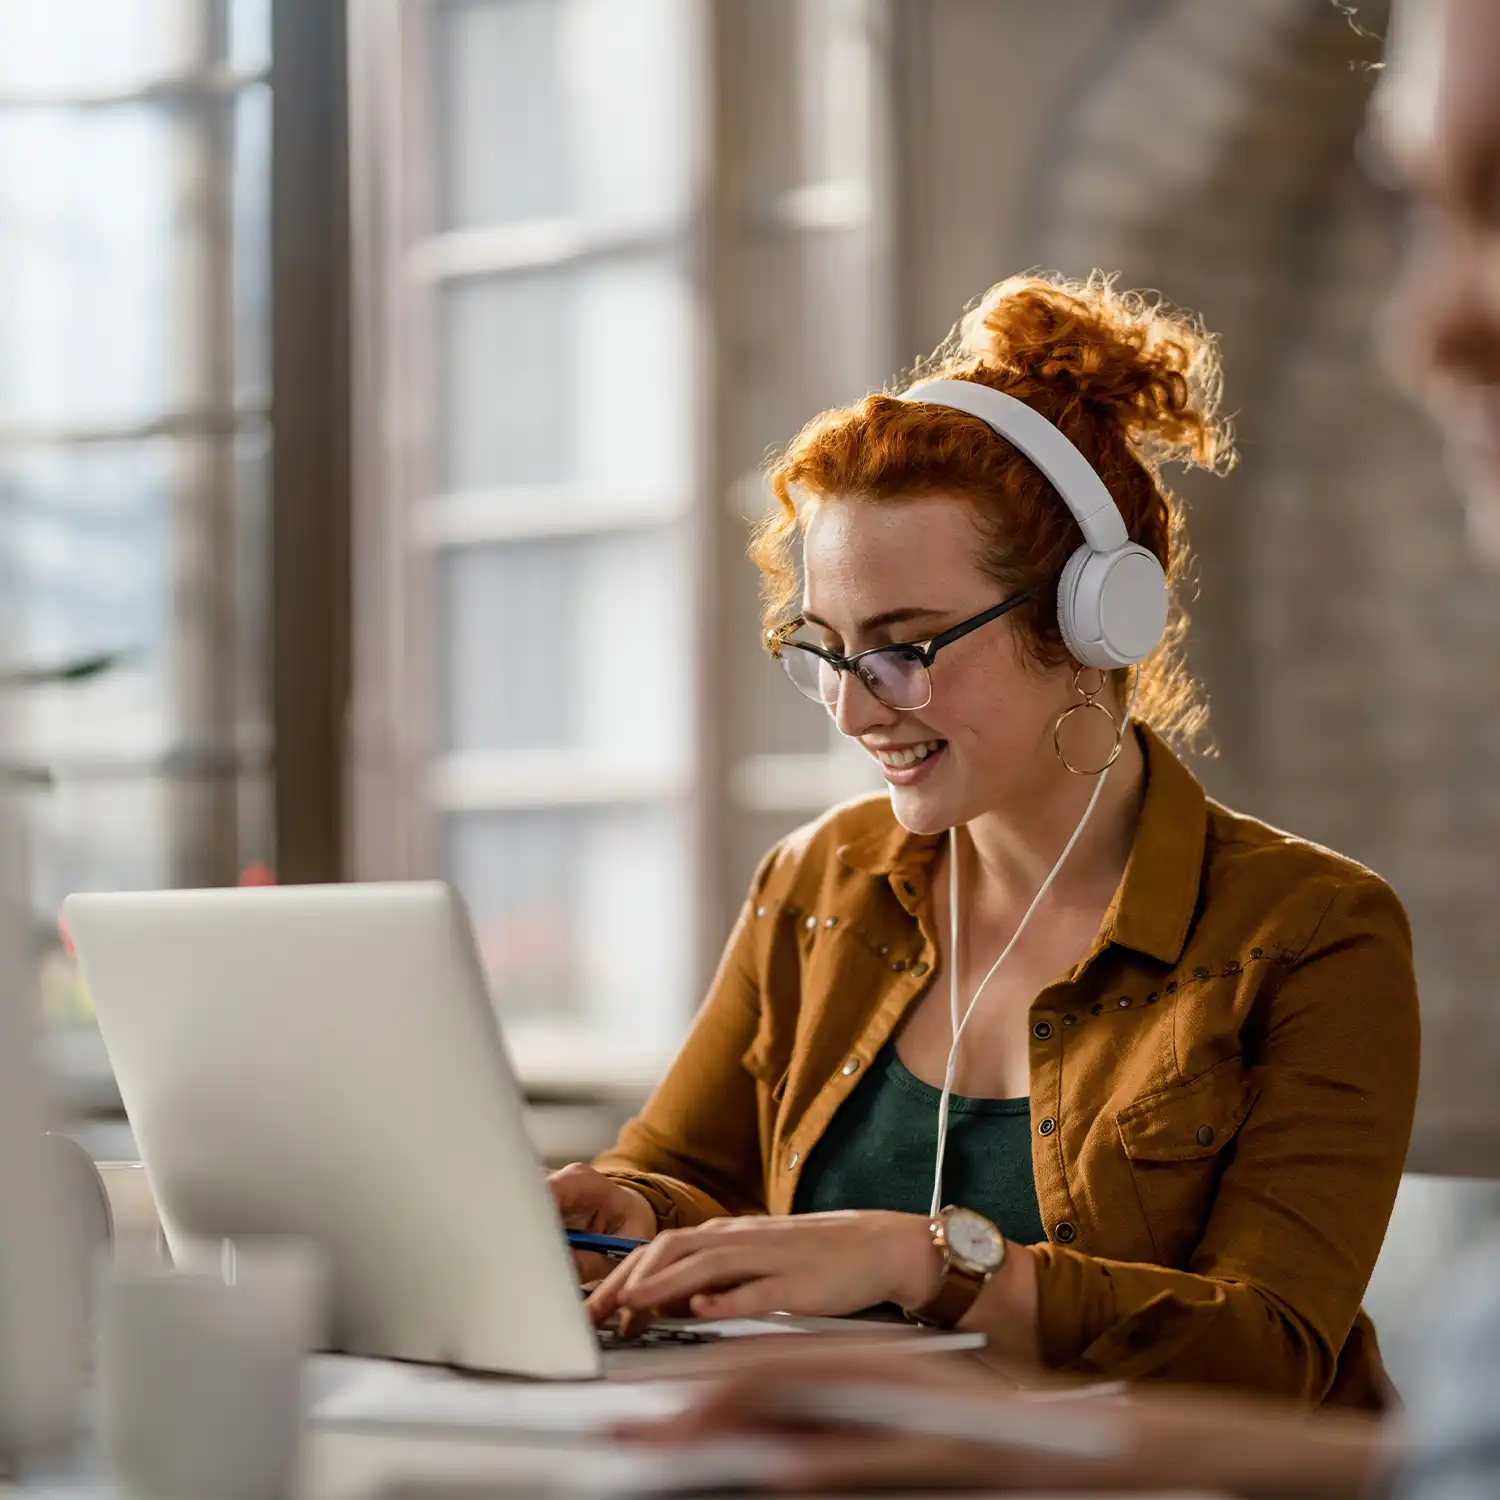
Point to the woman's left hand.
(828, 1264)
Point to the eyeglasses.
(896, 676)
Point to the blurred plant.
(80, 669)
(62, 994)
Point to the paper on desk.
(614, 1472)
(373, 1394)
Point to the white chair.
(1435, 1222)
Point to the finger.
(662, 1251)
(591, 1267)
(579, 1205)
(604, 1301)
(757, 1395)
(714, 1269)
(609, 1297)
(585, 1198)
(869, 1460)
(749, 1299)
(750, 1399)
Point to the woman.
(1161, 1059)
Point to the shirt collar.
(1154, 906)
(889, 851)
(1163, 876)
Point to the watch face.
(975, 1243)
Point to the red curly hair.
(1133, 384)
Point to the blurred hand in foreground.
(850, 1419)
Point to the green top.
(878, 1153)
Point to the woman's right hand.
(590, 1201)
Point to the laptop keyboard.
(657, 1337)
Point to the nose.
(1445, 316)
(857, 710)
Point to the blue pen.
(608, 1245)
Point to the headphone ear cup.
(1112, 606)
(1067, 589)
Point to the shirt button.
(1124, 1002)
(1042, 1030)
(1047, 1127)
(791, 1162)
(1065, 1233)
(850, 1068)
(1205, 1135)
(812, 922)
(760, 911)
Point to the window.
(542, 275)
(811, 262)
(135, 444)
(599, 260)
(553, 281)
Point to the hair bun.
(1068, 344)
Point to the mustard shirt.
(1221, 1089)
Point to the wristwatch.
(972, 1250)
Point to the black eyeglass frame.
(779, 640)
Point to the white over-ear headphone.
(1112, 596)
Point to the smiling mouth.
(908, 755)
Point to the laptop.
(325, 1062)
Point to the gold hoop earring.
(1090, 701)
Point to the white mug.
(200, 1370)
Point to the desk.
(365, 1466)
(360, 1466)
(348, 1466)
(371, 1465)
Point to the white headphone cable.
(958, 1024)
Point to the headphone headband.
(1112, 599)
(1073, 477)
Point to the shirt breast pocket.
(1176, 1140)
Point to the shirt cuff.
(1085, 1326)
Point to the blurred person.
(1436, 119)
(1435, 127)
(1181, 1106)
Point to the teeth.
(908, 755)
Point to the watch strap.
(956, 1294)
(958, 1287)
